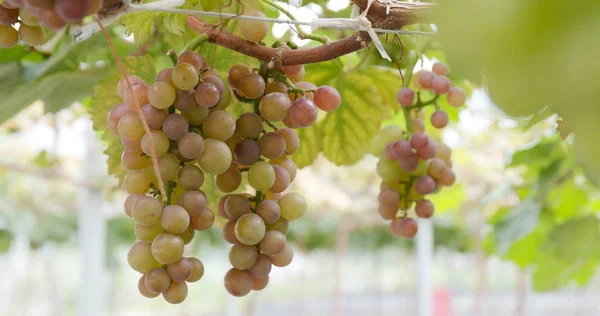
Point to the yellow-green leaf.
(140, 24)
(311, 144)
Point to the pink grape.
(327, 98)
(448, 177)
(389, 152)
(440, 85)
(405, 97)
(456, 97)
(427, 152)
(419, 140)
(409, 163)
(115, 115)
(439, 119)
(303, 112)
(401, 148)
(154, 117)
(424, 208)
(424, 185)
(440, 69)
(292, 70)
(404, 227)
(426, 79)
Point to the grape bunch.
(413, 165)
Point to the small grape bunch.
(412, 165)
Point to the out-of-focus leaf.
(517, 224)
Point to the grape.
(439, 119)
(292, 141)
(136, 96)
(196, 60)
(176, 293)
(436, 167)
(216, 157)
(274, 106)
(123, 84)
(130, 126)
(327, 98)
(293, 206)
(284, 258)
(444, 152)
(236, 72)
(440, 84)
(281, 225)
(421, 168)
(428, 152)
(229, 180)
(162, 95)
(154, 117)
(147, 233)
(115, 115)
(250, 229)
(185, 76)
(389, 170)
(273, 243)
(389, 197)
(197, 270)
(405, 97)
(276, 86)
(51, 20)
(146, 210)
(196, 117)
(304, 85)
(297, 77)
(272, 145)
(303, 112)
(32, 35)
(261, 176)
(229, 232)
(409, 163)
(238, 283)
(287, 121)
(167, 248)
(236, 205)
(401, 148)
(456, 97)
(133, 160)
(286, 163)
(190, 177)
(219, 125)
(137, 181)
(419, 141)
(11, 16)
(426, 79)
(417, 125)
(217, 81)
(424, 209)
(440, 69)
(207, 95)
(70, 12)
(242, 257)
(204, 220)
(95, 6)
(193, 202)
(252, 86)
(404, 227)
(388, 211)
(253, 30)
(9, 37)
(292, 70)
(225, 100)
(160, 140)
(249, 125)
(261, 267)
(447, 178)
(169, 167)
(247, 152)
(140, 257)
(175, 126)
(180, 271)
(210, 71)
(232, 142)
(128, 203)
(282, 180)
(175, 219)
(191, 145)
(157, 280)
(165, 75)
(424, 185)
(269, 211)
(143, 290)
(188, 235)
(185, 101)
(260, 283)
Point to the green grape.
(176, 293)
(188, 235)
(261, 267)
(252, 86)
(260, 283)
(161, 95)
(297, 77)
(196, 60)
(115, 115)
(185, 76)
(225, 100)
(250, 229)
(269, 211)
(235, 74)
(197, 116)
(140, 257)
(242, 257)
(253, 30)
(161, 143)
(157, 280)
(130, 127)
(236, 205)
(261, 176)
(128, 203)
(281, 225)
(276, 86)
(247, 152)
(421, 168)
(436, 168)
(32, 35)
(147, 233)
(180, 270)
(167, 248)
(238, 282)
(219, 125)
(274, 106)
(175, 219)
(190, 177)
(133, 160)
(207, 95)
(137, 181)
(284, 258)
(292, 205)
(249, 125)
(282, 180)
(388, 134)
(143, 290)
(216, 157)
(146, 210)
(292, 141)
(232, 142)
(193, 202)
(197, 270)
(9, 37)
(229, 180)
(273, 243)
(169, 167)
(390, 171)
(272, 145)
(286, 163)
(136, 96)
(203, 221)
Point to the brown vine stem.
(153, 156)
(401, 13)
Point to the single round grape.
(133, 79)
(196, 60)
(421, 168)
(427, 152)
(327, 98)
(175, 126)
(140, 257)
(292, 70)
(269, 211)
(180, 270)
(229, 232)
(197, 270)
(388, 212)
(162, 95)
(439, 119)
(176, 293)
(281, 225)
(158, 139)
(11, 16)
(146, 210)
(229, 180)
(115, 115)
(51, 20)
(419, 141)
(250, 229)
(219, 125)
(304, 112)
(204, 220)
(130, 126)
(175, 219)
(404, 227)
(221, 207)
(190, 177)
(154, 117)
(238, 282)
(235, 74)
(216, 157)
(165, 75)
(9, 37)
(191, 145)
(188, 235)
(440, 84)
(293, 206)
(261, 176)
(70, 12)
(417, 125)
(389, 170)
(409, 163)
(447, 178)
(167, 248)
(147, 233)
(405, 97)
(254, 30)
(282, 180)
(136, 96)
(207, 95)
(436, 168)
(32, 35)
(225, 100)
(157, 280)
(137, 181)
(401, 148)
(272, 145)
(292, 141)
(249, 125)
(389, 197)
(288, 164)
(185, 101)
(426, 79)
(284, 258)
(287, 121)
(197, 116)
(217, 81)
(274, 106)
(143, 290)
(298, 76)
(440, 69)
(134, 160)
(424, 185)
(168, 164)
(456, 97)
(242, 257)
(424, 209)
(193, 201)
(185, 76)
(273, 243)
(260, 284)
(276, 86)
(252, 86)
(128, 203)
(261, 267)
(236, 205)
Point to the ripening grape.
(157, 280)
(133, 160)
(440, 84)
(236, 205)
(298, 76)
(252, 86)
(439, 119)
(417, 125)
(154, 117)
(229, 232)
(388, 212)
(456, 96)
(272, 145)
(424, 185)
(146, 210)
(273, 243)
(404, 227)
(292, 141)
(147, 233)
(185, 76)
(303, 112)
(389, 197)
(143, 290)
(190, 177)
(196, 60)
(424, 208)
(211, 72)
(293, 206)
(123, 84)
(250, 229)
(175, 126)
(390, 170)
(447, 178)
(274, 106)
(249, 125)
(216, 157)
(130, 127)
(385, 136)
(32, 35)
(9, 37)
(193, 201)
(261, 176)
(242, 257)
(232, 142)
(165, 75)
(140, 257)
(292, 70)
(137, 181)
(401, 148)
(284, 258)
(235, 74)
(128, 203)
(426, 79)
(253, 30)
(421, 168)
(238, 282)
(287, 121)
(327, 98)
(115, 115)
(180, 270)
(176, 293)
(161, 95)
(269, 211)
(175, 219)
(282, 180)
(440, 69)
(260, 283)
(286, 163)
(196, 117)
(197, 270)
(276, 86)
(204, 220)
(229, 180)
(261, 267)
(419, 141)
(191, 145)
(410, 163)
(11, 16)
(136, 96)
(247, 152)
(188, 235)
(436, 167)
(168, 165)
(51, 20)
(281, 225)
(405, 97)
(225, 100)
(185, 100)
(219, 125)
(167, 248)
(160, 141)
(207, 95)
(70, 12)
(427, 152)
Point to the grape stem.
(169, 188)
(301, 33)
(420, 104)
(259, 197)
(195, 43)
(271, 125)
(172, 57)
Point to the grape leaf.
(140, 24)
(516, 224)
(311, 144)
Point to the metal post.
(424, 246)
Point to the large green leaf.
(517, 224)
(311, 144)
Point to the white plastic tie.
(365, 25)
